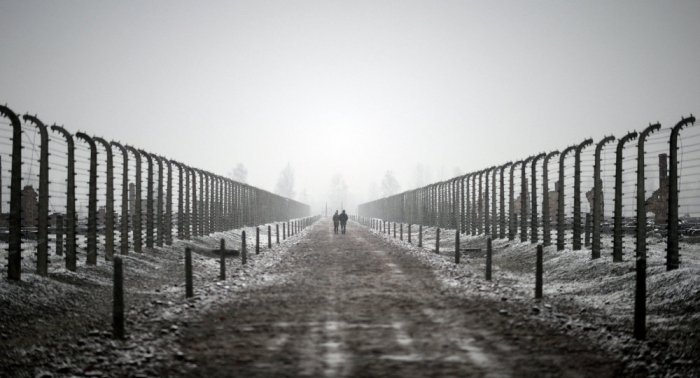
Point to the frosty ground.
(60, 325)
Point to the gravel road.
(355, 305)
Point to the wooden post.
(189, 292)
(489, 254)
(401, 238)
(437, 241)
(257, 240)
(277, 232)
(420, 235)
(269, 236)
(457, 252)
(538, 273)
(118, 300)
(409, 233)
(244, 252)
(222, 260)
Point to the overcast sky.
(350, 87)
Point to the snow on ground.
(60, 325)
(583, 293)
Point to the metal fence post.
(523, 200)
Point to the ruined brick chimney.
(663, 170)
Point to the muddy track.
(355, 306)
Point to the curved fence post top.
(36, 122)
(551, 155)
(538, 157)
(583, 145)
(684, 121)
(4, 110)
(87, 138)
(63, 131)
(650, 129)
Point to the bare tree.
(421, 176)
(390, 185)
(339, 191)
(285, 182)
(373, 192)
(240, 173)
(303, 196)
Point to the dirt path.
(355, 306)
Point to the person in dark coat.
(343, 220)
(336, 219)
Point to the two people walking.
(339, 218)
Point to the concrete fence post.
(42, 246)
(546, 216)
(523, 199)
(534, 228)
(672, 250)
(124, 234)
(560, 199)
(502, 226)
(617, 221)
(70, 200)
(160, 226)
(598, 197)
(640, 309)
(149, 200)
(14, 258)
(92, 201)
(136, 223)
(577, 193)
(109, 206)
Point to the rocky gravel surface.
(361, 304)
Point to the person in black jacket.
(336, 219)
(343, 220)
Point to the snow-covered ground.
(60, 325)
(585, 294)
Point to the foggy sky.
(355, 88)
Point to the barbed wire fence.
(640, 188)
(81, 196)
